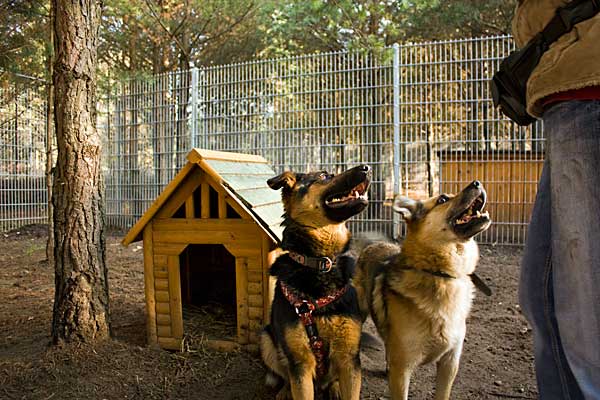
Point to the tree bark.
(81, 308)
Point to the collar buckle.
(324, 264)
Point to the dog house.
(212, 232)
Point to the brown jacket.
(572, 62)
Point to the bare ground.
(497, 361)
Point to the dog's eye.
(442, 199)
(323, 176)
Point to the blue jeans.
(560, 277)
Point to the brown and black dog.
(315, 328)
(419, 296)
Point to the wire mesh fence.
(23, 195)
(420, 114)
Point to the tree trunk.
(81, 310)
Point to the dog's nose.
(476, 184)
(365, 168)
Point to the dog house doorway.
(208, 293)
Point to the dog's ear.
(285, 180)
(405, 207)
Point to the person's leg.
(574, 144)
(536, 298)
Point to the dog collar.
(321, 264)
(477, 281)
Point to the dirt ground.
(497, 361)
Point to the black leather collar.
(321, 264)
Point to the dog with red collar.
(313, 339)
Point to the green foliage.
(151, 36)
(25, 34)
(322, 25)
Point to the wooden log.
(162, 296)
(161, 273)
(196, 155)
(255, 300)
(255, 288)
(223, 207)
(214, 179)
(171, 249)
(163, 319)
(170, 343)
(175, 297)
(264, 271)
(135, 231)
(209, 224)
(178, 198)
(242, 240)
(255, 313)
(163, 308)
(149, 286)
(161, 284)
(255, 326)
(164, 331)
(204, 201)
(242, 299)
(255, 263)
(160, 260)
(245, 248)
(255, 276)
(190, 210)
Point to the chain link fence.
(420, 114)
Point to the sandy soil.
(497, 361)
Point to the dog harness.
(304, 309)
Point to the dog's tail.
(361, 240)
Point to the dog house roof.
(244, 178)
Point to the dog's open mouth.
(474, 212)
(357, 193)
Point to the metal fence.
(23, 196)
(420, 114)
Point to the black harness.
(477, 281)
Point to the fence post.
(194, 106)
(396, 140)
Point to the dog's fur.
(315, 228)
(419, 296)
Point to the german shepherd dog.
(315, 327)
(419, 295)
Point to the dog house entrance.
(208, 293)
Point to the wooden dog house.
(216, 218)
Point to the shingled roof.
(242, 176)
